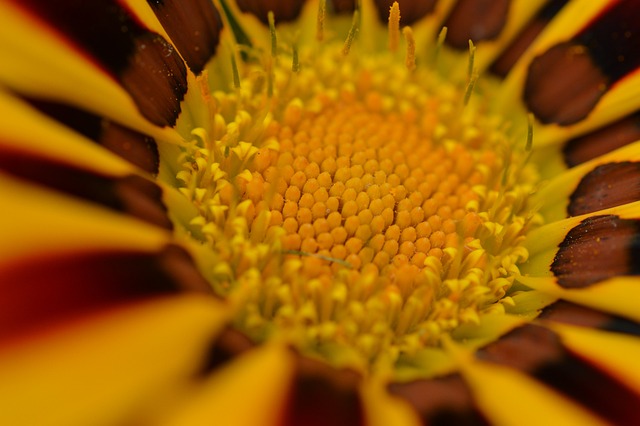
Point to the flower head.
(319, 212)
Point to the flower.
(320, 212)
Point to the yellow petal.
(382, 409)
(617, 295)
(509, 397)
(69, 77)
(100, 371)
(250, 390)
(38, 221)
(616, 353)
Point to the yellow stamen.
(410, 60)
(394, 26)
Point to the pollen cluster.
(356, 207)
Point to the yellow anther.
(394, 26)
(410, 59)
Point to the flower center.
(354, 206)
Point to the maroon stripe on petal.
(570, 313)
(441, 401)
(602, 141)
(228, 344)
(130, 194)
(507, 59)
(194, 27)
(539, 352)
(283, 10)
(144, 63)
(598, 248)
(606, 186)
(476, 20)
(410, 11)
(565, 83)
(40, 292)
(322, 395)
(137, 148)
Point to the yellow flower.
(319, 212)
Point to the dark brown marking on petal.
(410, 11)
(598, 248)
(143, 62)
(130, 194)
(283, 10)
(476, 20)
(156, 79)
(440, 401)
(539, 352)
(194, 27)
(229, 344)
(564, 84)
(137, 148)
(343, 6)
(40, 292)
(601, 141)
(613, 39)
(570, 313)
(510, 55)
(178, 264)
(322, 395)
(606, 186)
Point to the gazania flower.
(319, 212)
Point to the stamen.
(394, 26)
(472, 55)
(295, 60)
(322, 12)
(529, 143)
(470, 85)
(236, 74)
(272, 31)
(353, 31)
(410, 60)
(441, 37)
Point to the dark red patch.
(322, 395)
(598, 248)
(539, 352)
(410, 11)
(194, 27)
(476, 20)
(144, 63)
(441, 401)
(343, 6)
(283, 10)
(565, 83)
(507, 59)
(606, 186)
(42, 291)
(570, 313)
(130, 194)
(602, 141)
(137, 148)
